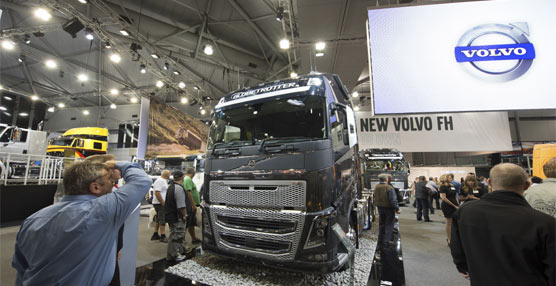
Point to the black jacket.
(501, 240)
(421, 191)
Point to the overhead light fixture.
(89, 34)
(203, 112)
(133, 99)
(61, 105)
(284, 44)
(73, 26)
(3, 108)
(319, 54)
(8, 98)
(142, 68)
(207, 49)
(177, 72)
(280, 14)
(124, 32)
(7, 113)
(183, 100)
(196, 87)
(34, 97)
(1, 87)
(113, 106)
(107, 45)
(82, 1)
(166, 66)
(51, 64)
(114, 91)
(21, 58)
(293, 75)
(159, 84)
(85, 112)
(42, 14)
(27, 38)
(356, 108)
(51, 109)
(155, 56)
(8, 44)
(23, 114)
(82, 77)
(115, 58)
(319, 46)
(181, 84)
(355, 94)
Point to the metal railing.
(27, 169)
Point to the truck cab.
(281, 169)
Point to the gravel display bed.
(214, 270)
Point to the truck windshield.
(61, 141)
(386, 165)
(292, 119)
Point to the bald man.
(500, 239)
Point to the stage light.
(181, 84)
(155, 55)
(284, 44)
(293, 75)
(114, 91)
(355, 94)
(319, 54)
(208, 50)
(142, 68)
(159, 84)
(42, 14)
(196, 88)
(356, 108)
(24, 114)
(166, 66)
(177, 72)
(113, 106)
(183, 100)
(280, 14)
(89, 34)
(27, 38)
(21, 58)
(82, 77)
(203, 112)
(82, 1)
(133, 99)
(115, 58)
(8, 44)
(107, 45)
(320, 46)
(124, 32)
(51, 64)
(61, 105)
(3, 108)
(85, 112)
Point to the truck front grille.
(255, 224)
(261, 193)
(271, 234)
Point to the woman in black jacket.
(449, 204)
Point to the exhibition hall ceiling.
(176, 50)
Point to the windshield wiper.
(287, 139)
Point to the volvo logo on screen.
(496, 52)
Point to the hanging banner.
(442, 132)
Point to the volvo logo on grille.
(496, 52)
(251, 163)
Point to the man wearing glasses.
(74, 241)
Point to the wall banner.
(442, 132)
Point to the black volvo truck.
(282, 167)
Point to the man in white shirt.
(160, 186)
(542, 197)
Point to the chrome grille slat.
(259, 193)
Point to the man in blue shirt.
(74, 242)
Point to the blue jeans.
(385, 224)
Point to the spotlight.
(115, 58)
(82, 1)
(21, 58)
(113, 106)
(196, 88)
(50, 64)
(23, 114)
(203, 112)
(208, 50)
(3, 108)
(8, 98)
(61, 105)
(319, 54)
(8, 44)
(155, 56)
(284, 44)
(355, 94)
(42, 14)
(73, 26)
(181, 84)
(124, 32)
(293, 75)
(356, 108)
(27, 38)
(133, 99)
(89, 34)
(107, 45)
(166, 66)
(320, 46)
(1, 87)
(82, 77)
(85, 112)
(280, 14)
(51, 109)
(142, 68)
(159, 84)
(183, 100)
(177, 72)
(34, 97)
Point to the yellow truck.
(81, 142)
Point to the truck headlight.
(318, 232)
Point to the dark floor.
(388, 264)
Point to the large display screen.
(471, 56)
